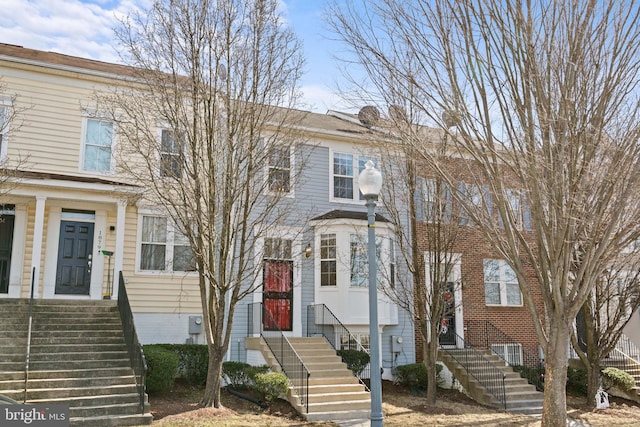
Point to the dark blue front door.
(74, 258)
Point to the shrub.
(356, 360)
(414, 375)
(162, 367)
(236, 374)
(618, 378)
(252, 371)
(577, 381)
(271, 385)
(193, 362)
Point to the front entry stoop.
(78, 358)
(521, 397)
(334, 392)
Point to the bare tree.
(600, 323)
(543, 97)
(427, 242)
(10, 123)
(216, 78)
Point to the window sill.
(504, 305)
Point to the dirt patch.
(402, 408)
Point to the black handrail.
(322, 321)
(625, 355)
(138, 361)
(281, 348)
(27, 356)
(479, 367)
(484, 334)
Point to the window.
(328, 260)
(357, 341)
(170, 155)
(437, 201)
(98, 140)
(280, 170)
(500, 284)
(345, 176)
(519, 208)
(472, 195)
(360, 262)
(163, 247)
(510, 353)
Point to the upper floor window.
(280, 170)
(475, 198)
(328, 260)
(345, 173)
(437, 200)
(170, 155)
(98, 141)
(500, 284)
(163, 247)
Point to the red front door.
(277, 295)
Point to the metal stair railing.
(27, 357)
(626, 354)
(322, 321)
(480, 368)
(134, 348)
(281, 348)
(484, 334)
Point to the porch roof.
(344, 214)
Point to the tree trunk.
(593, 381)
(554, 412)
(214, 380)
(430, 350)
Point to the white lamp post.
(370, 183)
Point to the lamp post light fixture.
(370, 183)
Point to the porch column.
(36, 253)
(119, 248)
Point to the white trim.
(86, 116)
(455, 277)
(119, 248)
(36, 252)
(296, 256)
(51, 257)
(17, 250)
(5, 125)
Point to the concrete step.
(362, 414)
(44, 383)
(345, 397)
(112, 421)
(313, 365)
(352, 405)
(330, 373)
(71, 373)
(79, 356)
(332, 380)
(70, 392)
(336, 387)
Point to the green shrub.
(271, 385)
(252, 371)
(193, 362)
(236, 374)
(162, 367)
(577, 381)
(618, 378)
(356, 360)
(414, 375)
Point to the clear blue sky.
(85, 28)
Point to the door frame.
(56, 217)
(456, 278)
(297, 251)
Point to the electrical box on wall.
(396, 344)
(195, 325)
